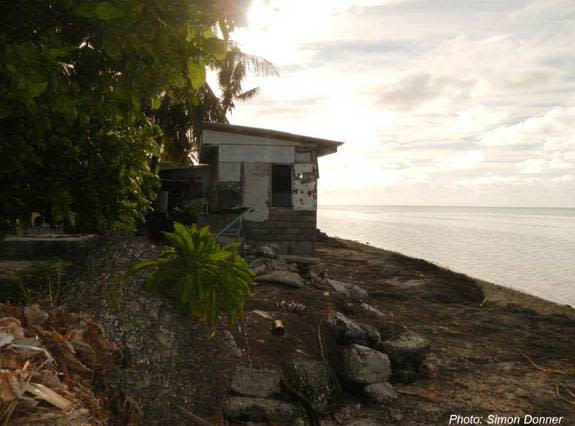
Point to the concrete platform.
(44, 247)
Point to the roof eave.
(329, 145)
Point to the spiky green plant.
(206, 279)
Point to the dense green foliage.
(181, 121)
(78, 82)
(204, 278)
(188, 213)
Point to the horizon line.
(437, 205)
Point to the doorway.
(281, 185)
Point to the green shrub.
(188, 213)
(205, 278)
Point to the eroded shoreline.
(494, 293)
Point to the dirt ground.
(486, 359)
(492, 354)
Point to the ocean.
(527, 249)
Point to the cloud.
(438, 101)
(545, 11)
(532, 167)
(418, 89)
(552, 130)
(466, 160)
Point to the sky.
(439, 102)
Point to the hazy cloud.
(439, 101)
(418, 89)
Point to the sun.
(260, 15)
(277, 29)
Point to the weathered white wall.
(256, 154)
(215, 137)
(303, 157)
(304, 195)
(255, 190)
(229, 171)
(247, 159)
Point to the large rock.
(281, 265)
(406, 351)
(373, 310)
(267, 251)
(312, 379)
(348, 332)
(366, 366)
(266, 265)
(288, 278)
(255, 382)
(351, 291)
(259, 265)
(372, 336)
(230, 342)
(383, 393)
(261, 410)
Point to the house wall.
(256, 183)
(305, 175)
(294, 231)
(247, 165)
(229, 171)
(257, 154)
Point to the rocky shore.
(356, 336)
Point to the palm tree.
(181, 121)
(233, 69)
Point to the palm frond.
(248, 94)
(254, 63)
(213, 107)
(180, 118)
(258, 65)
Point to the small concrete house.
(264, 182)
(274, 174)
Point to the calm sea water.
(528, 249)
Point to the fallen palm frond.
(48, 362)
(48, 395)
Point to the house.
(265, 178)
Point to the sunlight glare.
(277, 28)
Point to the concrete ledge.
(45, 247)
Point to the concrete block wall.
(294, 231)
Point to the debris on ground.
(49, 362)
(369, 337)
